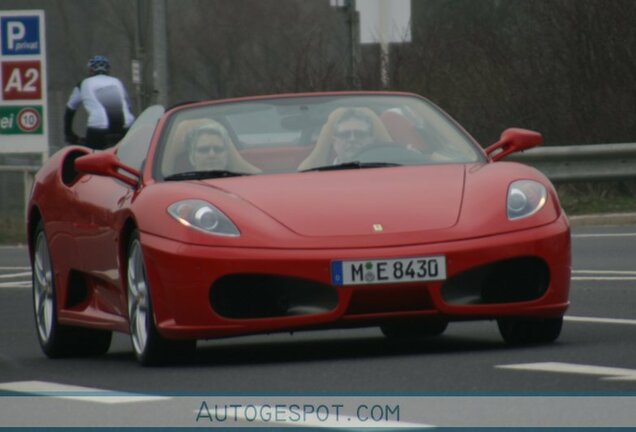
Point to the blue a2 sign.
(20, 35)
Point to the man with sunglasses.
(208, 147)
(352, 132)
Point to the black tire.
(58, 340)
(530, 331)
(150, 348)
(415, 329)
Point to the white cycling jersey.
(105, 101)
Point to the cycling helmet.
(98, 64)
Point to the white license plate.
(382, 271)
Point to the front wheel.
(55, 339)
(529, 331)
(149, 346)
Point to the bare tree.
(246, 47)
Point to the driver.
(352, 132)
(347, 132)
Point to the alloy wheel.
(138, 310)
(43, 288)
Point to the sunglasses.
(206, 149)
(356, 134)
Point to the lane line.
(595, 320)
(625, 272)
(603, 235)
(16, 285)
(602, 278)
(605, 372)
(603, 275)
(15, 268)
(43, 388)
(22, 284)
(15, 275)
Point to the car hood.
(358, 202)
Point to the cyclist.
(107, 104)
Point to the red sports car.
(291, 212)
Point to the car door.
(96, 225)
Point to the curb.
(608, 219)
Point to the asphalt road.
(468, 376)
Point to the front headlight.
(525, 198)
(203, 216)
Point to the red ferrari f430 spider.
(291, 212)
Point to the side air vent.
(509, 281)
(248, 296)
(69, 173)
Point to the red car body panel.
(293, 225)
(191, 315)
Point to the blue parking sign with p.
(20, 35)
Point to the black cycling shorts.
(100, 139)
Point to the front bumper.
(183, 277)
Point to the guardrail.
(595, 162)
(28, 176)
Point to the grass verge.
(595, 198)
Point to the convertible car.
(419, 227)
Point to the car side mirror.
(513, 140)
(108, 165)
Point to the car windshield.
(309, 133)
(133, 148)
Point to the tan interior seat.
(402, 131)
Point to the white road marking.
(593, 320)
(20, 284)
(603, 235)
(603, 278)
(601, 275)
(606, 373)
(624, 272)
(15, 275)
(23, 278)
(87, 394)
